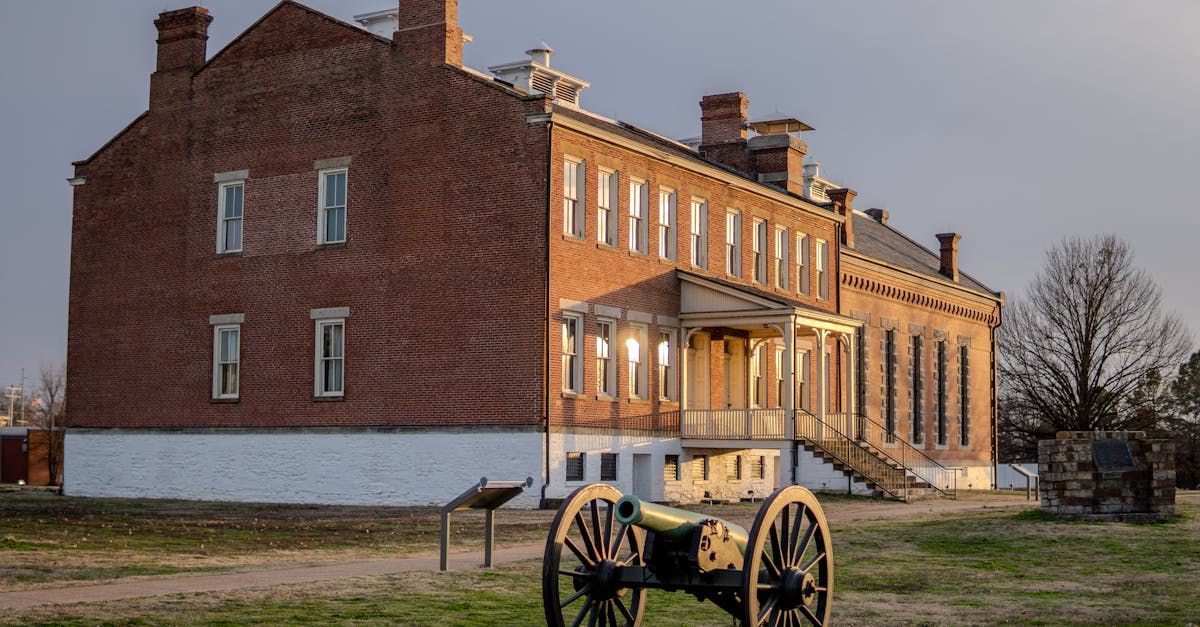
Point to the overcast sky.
(1012, 122)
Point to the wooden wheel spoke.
(784, 532)
(767, 609)
(624, 611)
(612, 614)
(587, 538)
(617, 541)
(596, 615)
(803, 546)
(776, 550)
(582, 613)
(766, 586)
(597, 540)
(583, 557)
(772, 567)
(575, 597)
(609, 549)
(812, 562)
(793, 543)
(812, 618)
(572, 573)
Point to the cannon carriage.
(605, 550)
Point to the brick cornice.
(882, 282)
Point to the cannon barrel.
(671, 522)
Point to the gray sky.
(1012, 122)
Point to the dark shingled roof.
(882, 242)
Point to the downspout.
(995, 397)
(546, 321)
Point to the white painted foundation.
(350, 467)
(818, 475)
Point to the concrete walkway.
(188, 584)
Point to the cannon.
(605, 550)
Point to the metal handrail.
(914, 460)
(818, 432)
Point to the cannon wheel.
(788, 577)
(583, 552)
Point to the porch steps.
(860, 462)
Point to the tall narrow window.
(229, 217)
(666, 365)
(780, 384)
(699, 233)
(802, 263)
(608, 466)
(700, 468)
(889, 381)
(573, 211)
(802, 387)
(606, 375)
(670, 468)
(572, 371)
(782, 267)
(964, 395)
(918, 419)
(860, 393)
(638, 198)
(733, 243)
(757, 372)
(942, 418)
(331, 357)
(637, 362)
(733, 468)
(822, 273)
(331, 223)
(606, 200)
(575, 466)
(227, 357)
(666, 223)
(759, 246)
(757, 465)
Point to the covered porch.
(760, 367)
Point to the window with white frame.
(331, 357)
(331, 218)
(780, 384)
(666, 222)
(759, 246)
(608, 466)
(572, 365)
(822, 273)
(229, 217)
(606, 374)
(635, 355)
(227, 357)
(699, 226)
(573, 189)
(802, 263)
(758, 369)
(782, 269)
(575, 466)
(733, 243)
(639, 197)
(666, 366)
(606, 201)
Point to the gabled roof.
(884, 243)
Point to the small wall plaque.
(1111, 455)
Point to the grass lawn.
(980, 567)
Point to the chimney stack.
(880, 215)
(428, 31)
(723, 129)
(949, 254)
(182, 46)
(843, 205)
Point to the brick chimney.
(182, 47)
(879, 215)
(428, 32)
(723, 129)
(949, 254)
(843, 204)
(777, 152)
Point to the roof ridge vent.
(535, 76)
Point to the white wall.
(818, 475)
(351, 467)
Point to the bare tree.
(49, 413)
(1088, 345)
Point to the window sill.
(230, 253)
(331, 245)
(637, 253)
(605, 397)
(329, 399)
(568, 237)
(667, 401)
(606, 246)
(572, 395)
(225, 401)
(667, 261)
(638, 401)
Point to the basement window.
(733, 468)
(575, 466)
(758, 464)
(700, 468)
(671, 468)
(608, 466)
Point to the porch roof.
(711, 301)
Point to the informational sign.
(1111, 455)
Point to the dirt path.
(837, 512)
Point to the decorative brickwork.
(1116, 475)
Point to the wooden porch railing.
(735, 424)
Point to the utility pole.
(22, 396)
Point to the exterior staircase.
(863, 450)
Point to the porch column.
(789, 377)
(822, 376)
(685, 345)
(852, 382)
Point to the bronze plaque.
(1111, 455)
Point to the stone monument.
(1107, 475)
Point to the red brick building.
(302, 275)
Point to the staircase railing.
(912, 459)
(833, 442)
